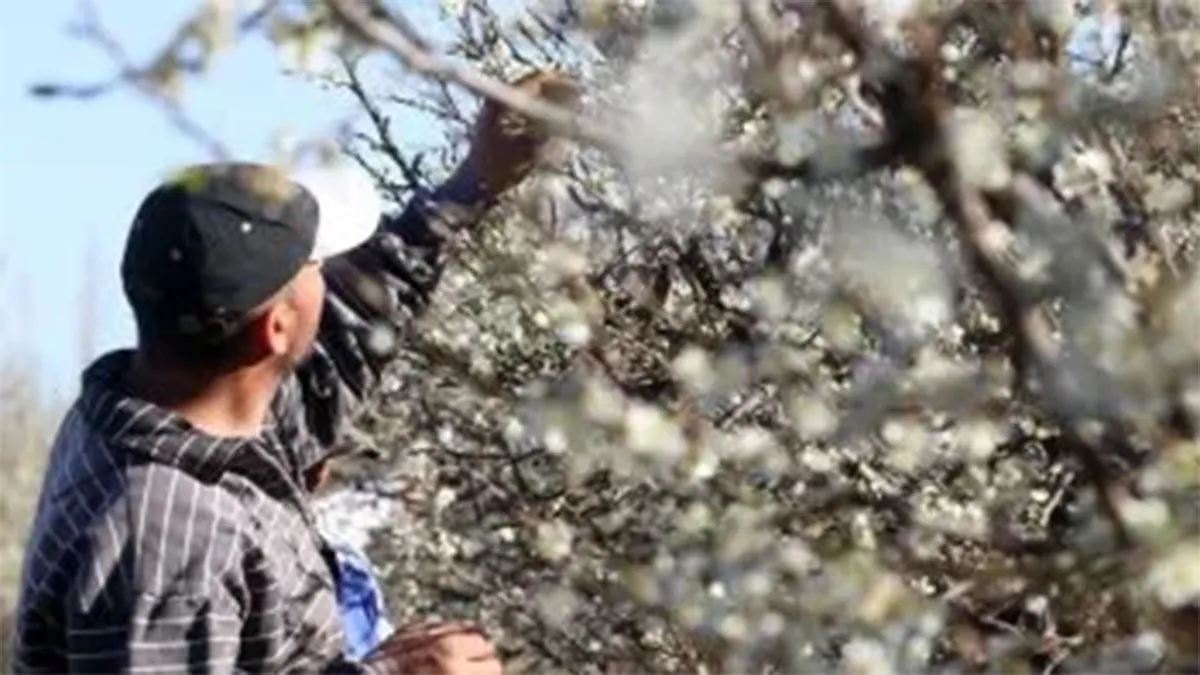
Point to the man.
(172, 531)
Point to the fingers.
(563, 93)
(466, 657)
(506, 144)
(428, 634)
(553, 86)
(437, 628)
(453, 644)
(460, 643)
(536, 79)
(483, 667)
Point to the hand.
(317, 476)
(506, 144)
(447, 649)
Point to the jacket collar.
(149, 430)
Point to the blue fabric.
(1094, 43)
(360, 599)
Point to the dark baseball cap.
(215, 241)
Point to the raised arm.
(388, 281)
(385, 284)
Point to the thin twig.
(382, 125)
(92, 29)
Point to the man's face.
(308, 298)
(293, 321)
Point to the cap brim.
(349, 206)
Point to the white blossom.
(649, 432)
(554, 540)
(979, 150)
(1175, 578)
(693, 367)
(865, 657)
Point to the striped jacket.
(158, 548)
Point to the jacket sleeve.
(374, 294)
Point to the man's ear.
(269, 331)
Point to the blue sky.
(71, 173)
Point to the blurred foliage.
(27, 421)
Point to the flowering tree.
(843, 336)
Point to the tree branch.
(93, 30)
(915, 105)
(396, 36)
(382, 125)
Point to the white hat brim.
(349, 207)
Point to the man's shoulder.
(81, 472)
(145, 523)
(87, 468)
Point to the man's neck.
(228, 404)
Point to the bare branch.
(93, 30)
(382, 126)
